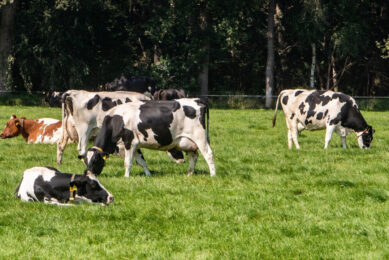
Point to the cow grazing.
(318, 109)
(158, 125)
(83, 113)
(51, 186)
(169, 94)
(44, 130)
(140, 84)
(54, 98)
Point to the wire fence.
(225, 101)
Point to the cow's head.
(13, 128)
(94, 160)
(90, 189)
(365, 137)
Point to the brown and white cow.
(318, 109)
(158, 125)
(44, 130)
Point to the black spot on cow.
(158, 116)
(93, 102)
(307, 122)
(316, 98)
(298, 92)
(203, 111)
(68, 103)
(128, 100)
(325, 113)
(301, 107)
(128, 136)
(291, 116)
(119, 102)
(285, 100)
(342, 97)
(319, 116)
(107, 104)
(189, 112)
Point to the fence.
(215, 101)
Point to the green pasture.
(266, 202)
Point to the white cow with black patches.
(158, 125)
(48, 185)
(317, 109)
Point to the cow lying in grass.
(44, 130)
(158, 125)
(51, 186)
(318, 109)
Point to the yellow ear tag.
(81, 159)
(71, 190)
(16, 123)
(104, 157)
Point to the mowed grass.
(265, 202)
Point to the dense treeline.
(82, 44)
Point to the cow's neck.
(105, 141)
(355, 121)
(28, 126)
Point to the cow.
(318, 109)
(140, 84)
(44, 130)
(83, 113)
(158, 125)
(169, 94)
(54, 98)
(48, 185)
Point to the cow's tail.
(275, 112)
(207, 125)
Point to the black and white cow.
(169, 94)
(51, 186)
(140, 84)
(318, 109)
(158, 125)
(80, 112)
(54, 98)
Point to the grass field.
(265, 202)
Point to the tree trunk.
(7, 12)
(203, 75)
(270, 55)
(334, 74)
(313, 66)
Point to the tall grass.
(265, 202)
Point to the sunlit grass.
(265, 202)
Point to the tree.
(7, 14)
(270, 54)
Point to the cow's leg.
(290, 144)
(141, 161)
(342, 133)
(83, 138)
(329, 131)
(128, 155)
(61, 145)
(294, 132)
(192, 157)
(206, 151)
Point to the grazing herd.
(134, 117)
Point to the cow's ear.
(13, 116)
